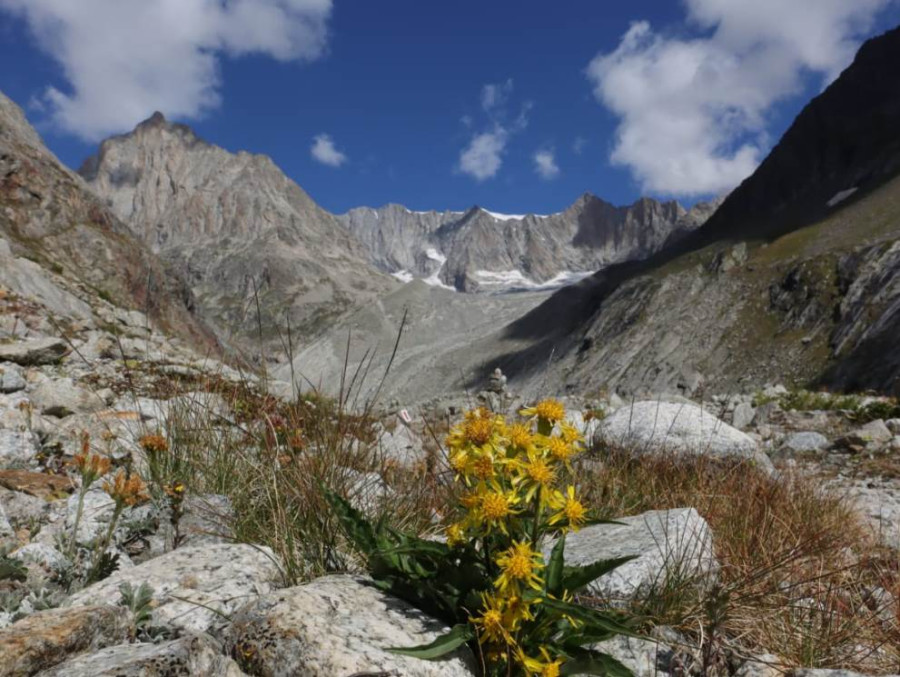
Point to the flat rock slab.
(652, 426)
(63, 397)
(805, 442)
(338, 625)
(196, 656)
(663, 542)
(34, 351)
(11, 380)
(644, 657)
(47, 638)
(194, 586)
(48, 487)
(18, 448)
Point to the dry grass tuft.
(800, 575)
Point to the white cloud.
(693, 111)
(495, 96)
(324, 151)
(483, 156)
(123, 59)
(545, 164)
(578, 145)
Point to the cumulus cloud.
(123, 59)
(323, 150)
(545, 164)
(483, 155)
(482, 158)
(693, 111)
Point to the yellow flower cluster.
(512, 472)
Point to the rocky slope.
(49, 217)
(238, 229)
(479, 250)
(794, 277)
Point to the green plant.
(139, 601)
(489, 580)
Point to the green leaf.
(555, 568)
(595, 663)
(575, 578)
(458, 635)
(355, 525)
(595, 621)
(11, 570)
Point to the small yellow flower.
(495, 506)
(483, 467)
(517, 609)
(570, 433)
(548, 410)
(455, 535)
(571, 511)
(90, 466)
(520, 436)
(540, 667)
(489, 622)
(559, 449)
(519, 566)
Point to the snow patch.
(508, 280)
(404, 276)
(434, 279)
(840, 196)
(511, 217)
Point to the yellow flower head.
(456, 535)
(571, 511)
(520, 436)
(489, 622)
(548, 410)
(540, 667)
(483, 466)
(496, 505)
(559, 449)
(519, 567)
(517, 609)
(570, 433)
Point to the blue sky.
(516, 106)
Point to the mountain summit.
(237, 228)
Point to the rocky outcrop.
(479, 250)
(680, 428)
(194, 587)
(50, 217)
(237, 228)
(46, 638)
(281, 633)
(663, 543)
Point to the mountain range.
(795, 276)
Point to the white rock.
(194, 655)
(18, 449)
(743, 415)
(654, 426)
(62, 397)
(42, 554)
(875, 432)
(339, 625)
(209, 578)
(402, 446)
(6, 529)
(663, 542)
(805, 441)
(33, 351)
(11, 380)
(644, 657)
(893, 424)
(96, 512)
